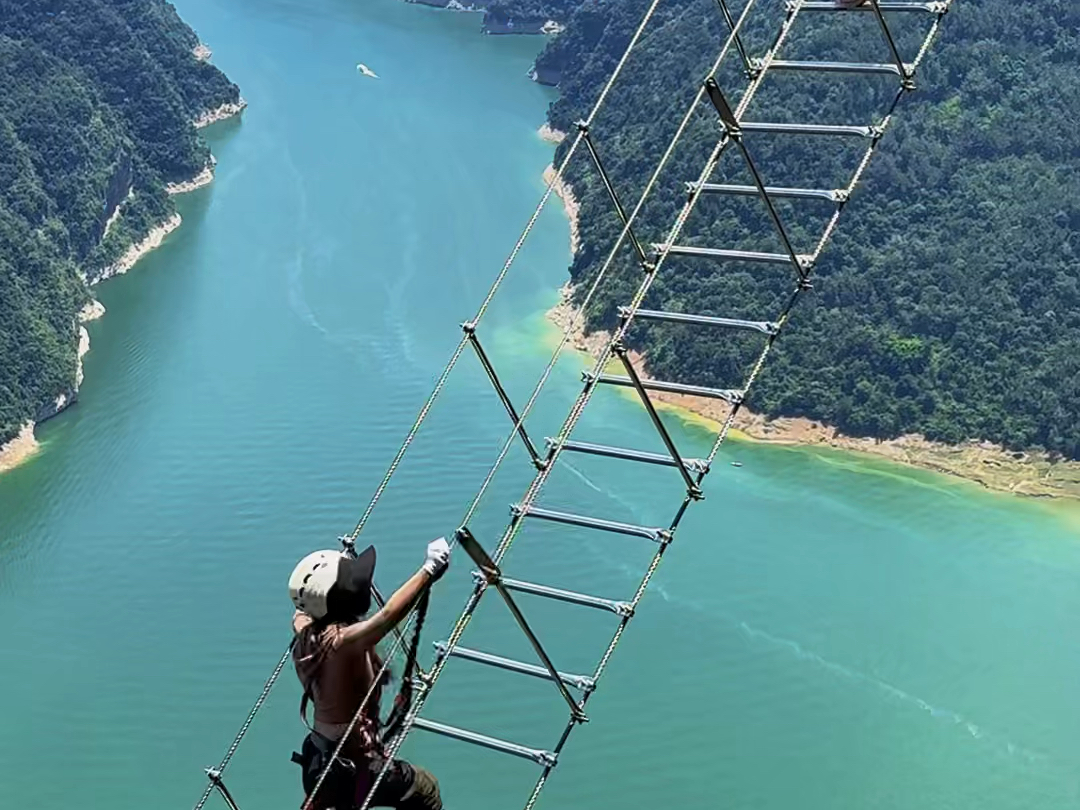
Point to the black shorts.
(348, 782)
(405, 787)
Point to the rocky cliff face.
(117, 190)
(96, 105)
(65, 400)
(547, 74)
(61, 403)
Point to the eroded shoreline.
(152, 240)
(203, 178)
(227, 110)
(22, 448)
(565, 192)
(25, 445)
(994, 467)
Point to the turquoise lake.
(827, 632)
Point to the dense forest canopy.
(97, 100)
(949, 302)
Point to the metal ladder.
(734, 129)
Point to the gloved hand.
(438, 558)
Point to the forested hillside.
(97, 100)
(949, 301)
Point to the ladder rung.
(929, 8)
(811, 129)
(731, 395)
(734, 255)
(830, 195)
(696, 465)
(574, 598)
(537, 755)
(840, 67)
(648, 532)
(767, 327)
(582, 682)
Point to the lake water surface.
(827, 632)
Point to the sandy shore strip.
(92, 311)
(203, 178)
(227, 110)
(135, 252)
(19, 449)
(550, 134)
(84, 347)
(25, 444)
(570, 203)
(988, 464)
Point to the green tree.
(97, 100)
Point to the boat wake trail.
(297, 300)
(607, 493)
(391, 347)
(398, 322)
(882, 686)
(938, 713)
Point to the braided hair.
(403, 700)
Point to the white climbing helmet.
(311, 581)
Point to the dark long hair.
(313, 646)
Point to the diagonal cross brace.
(643, 259)
(693, 489)
(734, 130)
(748, 66)
(519, 425)
(906, 77)
(874, 133)
(493, 576)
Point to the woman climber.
(337, 664)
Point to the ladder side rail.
(541, 477)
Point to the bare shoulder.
(300, 622)
(361, 635)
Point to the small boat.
(736, 464)
(366, 71)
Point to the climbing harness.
(345, 779)
(736, 130)
(339, 788)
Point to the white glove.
(438, 558)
